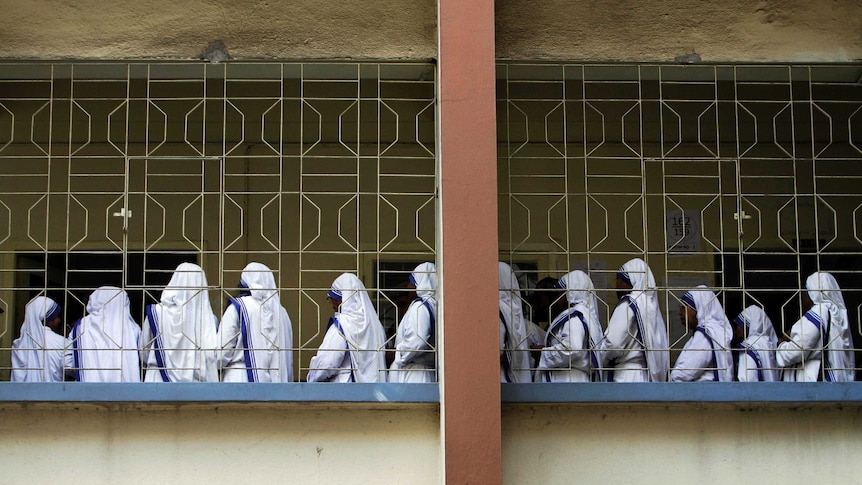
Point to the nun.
(178, 339)
(415, 339)
(756, 352)
(514, 341)
(820, 346)
(353, 346)
(256, 334)
(706, 355)
(39, 354)
(105, 340)
(568, 354)
(634, 347)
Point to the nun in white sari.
(256, 334)
(178, 339)
(514, 341)
(39, 354)
(634, 347)
(757, 350)
(105, 341)
(353, 347)
(706, 355)
(415, 339)
(568, 354)
(820, 346)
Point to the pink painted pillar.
(470, 382)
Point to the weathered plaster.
(610, 30)
(710, 444)
(80, 443)
(251, 29)
(719, 31)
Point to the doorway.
(69, 278)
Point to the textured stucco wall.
(710, 444)
(717, 30)
(79, 443)
(611, 30)
(251, 29)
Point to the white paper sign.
(682, 229)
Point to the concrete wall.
(718, 31)
(251, 29)
(680, 444)
(57, 443)
(75, 443)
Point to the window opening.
(739, 177)
(115, 172)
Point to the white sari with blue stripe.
(635, 345)
(353, 347)
(256, 334)
(105, 341)
(415, 340)
(706, 355)
(178, 338)
(757, 351)
(515, 361)
(568, 354)
(39, 354)
(820, 347)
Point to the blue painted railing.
(658, 393)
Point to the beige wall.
(219, 444)
(47, 443)
(719, 31)
(702, 444)
(251, 29)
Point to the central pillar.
(470, 364)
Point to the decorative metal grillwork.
(113, 173)
(742, 178)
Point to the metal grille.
(742, 178)
(113, 173)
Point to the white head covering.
(29, 351)
(643, 301)
(424, 277)
(580, 292)
(581, 295)
(184, 328)
(517, 346)
(105, 341)
(761, 337)
(266, 330)
(416, 338)
(824, 291)
(361, 328)
(712, 320)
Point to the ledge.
(776, 393)
(159, 393)
(739, 393)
